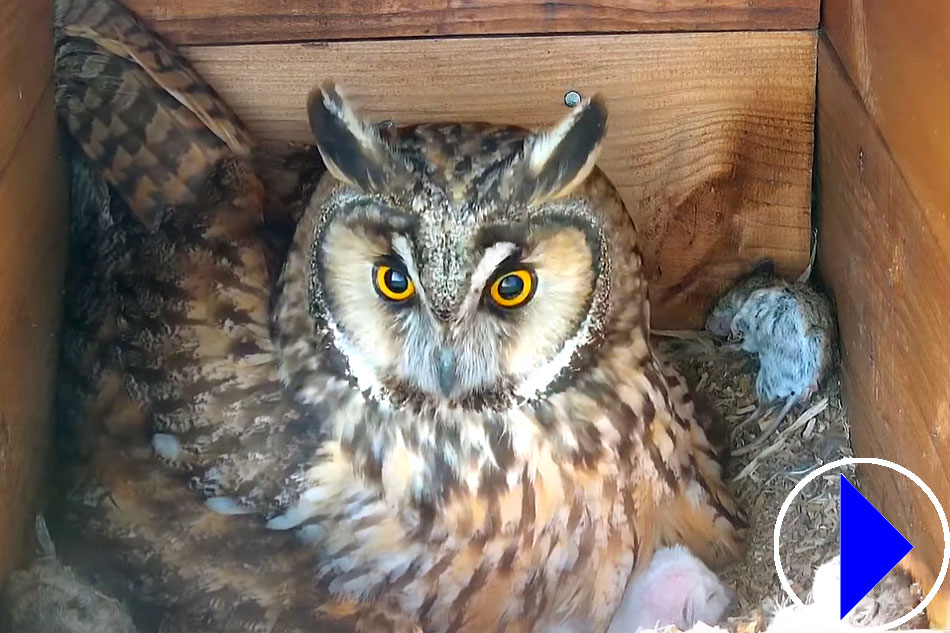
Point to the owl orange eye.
(513, 289)
(392, 284)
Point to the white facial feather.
(364, 373)
(404, 250)
(348, 258)
(493, 256)
(562, 263)
(384, 346)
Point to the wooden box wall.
(32, 243)
(883, 196)
(710, 137)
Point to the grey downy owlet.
(789, 328)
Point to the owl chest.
(551, 542)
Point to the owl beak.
(447, 376)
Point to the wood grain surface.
(270, 21)
(26, 61)
(709, 139)
(886, 259)
(32, 245)
(897, 55)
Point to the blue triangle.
(870, 546)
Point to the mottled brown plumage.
(293, 453)
(123, 93)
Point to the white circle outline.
(875, 461)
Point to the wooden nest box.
(712, 142)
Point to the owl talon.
(166, 447)
(226, 506)
(286, 521)
(293, 517)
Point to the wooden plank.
(266, 21)
(881, 254)
(709, 141)
(26, 44)
(32, 244)
(896, 53)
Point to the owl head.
(463, 263)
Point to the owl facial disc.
(452, 260)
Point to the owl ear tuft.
(352, 149)
(557, 160)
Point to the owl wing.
(154, 127)
(138, 109)
(128, 521)
(166, 329)
(174, 284)
(290, 173)
(143, 538)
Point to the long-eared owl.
(440, 411)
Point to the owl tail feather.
(138, 109)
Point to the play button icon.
(870, 546)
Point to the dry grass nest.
(814, 433)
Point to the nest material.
(813, 434)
